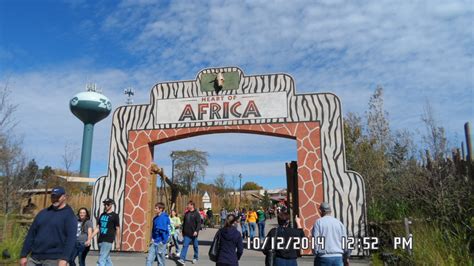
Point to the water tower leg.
(86, 149)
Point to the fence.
(76, 201)
(217, 201)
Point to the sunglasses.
(107, 204)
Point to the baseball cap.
(108, 201)
(324, 206)
(58, 191)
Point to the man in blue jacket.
(51, 238)
(159, 236)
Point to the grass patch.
(433, 245)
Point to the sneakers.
(178, 254)
(181, 262)
(195, 261)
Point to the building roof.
(276, 191)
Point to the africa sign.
(222, 107)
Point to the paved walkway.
(250, 257)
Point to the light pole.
(173, 158)
(240, 193)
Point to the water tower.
(90, 107)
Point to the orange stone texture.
(140, 157)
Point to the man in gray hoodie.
(333, 232)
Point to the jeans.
(186, 241)
(81, 252)
(328, 261)
(261, 230)
(253, 227)
(285, 262)
(33, 262)
(104, 254)
(156, 251)
(174, 238)
(222, 222)
(245, 229)
(211, 221)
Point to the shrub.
(13, 243)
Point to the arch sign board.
(224, 100)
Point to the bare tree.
(7, 108)
(12, 162)
(377, 121)
(189, 167)
(12, 159)
(221, 184)
(69, 156)
(435, 138)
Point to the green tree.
(368, 145)
(30, 175)
(251, 186)
(189, 167)
(265, 201)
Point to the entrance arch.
(140, 158)
(264, 104)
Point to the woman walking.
(244, 224)
(284, 257)
(252, 222)
(231, 246)
(175, 231)
(84, 236)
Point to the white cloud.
(415, 50)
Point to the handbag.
(270, 256)
(215, 247)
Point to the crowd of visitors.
(59, 237)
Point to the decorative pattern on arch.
(342, 188)
(308, 138)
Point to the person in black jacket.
(51, 239)
(285, 257)
(191, 228)
(231, 246)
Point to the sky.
(418, 51)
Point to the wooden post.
(151, 200)
(467, 131)
(45, 196)
(292, 189)
(407, 231)
(5, 222)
